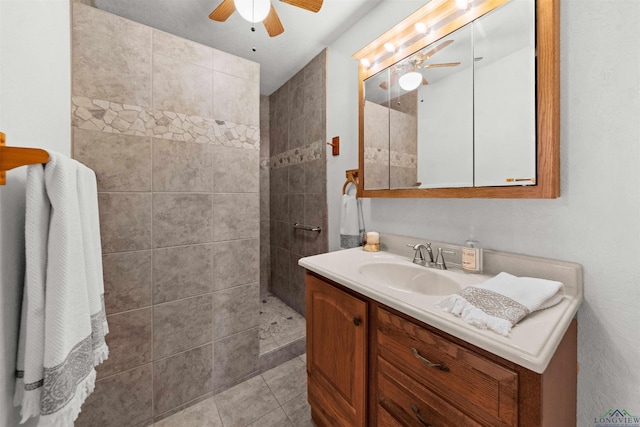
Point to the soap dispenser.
(472, 257)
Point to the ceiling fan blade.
(436, 50)
(310, 5)
(223, 12)
(444, 64)
(272, 23)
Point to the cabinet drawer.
(398, 395)
(476, 385)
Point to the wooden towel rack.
(352, 177)
(13, 157)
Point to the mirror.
(468, 125)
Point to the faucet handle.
(440, 258)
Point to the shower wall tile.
(296, 208)
(235, 66)
(182, 86)
(236, 357)
(121, 162)
(182, 166)
(127, 280)
(118, 71)
(182, 378)
(279, 183)
(182, 219)
(315, 177)
(169, 161)
(129, 341)
(181, 272)
(281, 234)
(235, 263)
(94, 22)
(124, 399)
(183, 50)
(243, 175)
(181, 325)
(296, 178)
(237, 216)
(279, 207)
(236, 309)
(125, 221)
(236, 99)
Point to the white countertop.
(531, 343)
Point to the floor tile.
(245, 403)
(287, 380)
(299, 411)
(203, 414)
(276, 418)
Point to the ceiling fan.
(260, 10)
(409, 68)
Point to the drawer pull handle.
(425, 362)
(419, 417)
(357, 321)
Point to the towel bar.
(13, 157)
(307, 227)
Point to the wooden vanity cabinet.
(336, 355)
(420, 376)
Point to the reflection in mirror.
(445, 112)
(505, 96)
(376, 136)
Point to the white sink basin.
(407, 277)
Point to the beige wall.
(171, 128)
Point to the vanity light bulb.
(389, 47)
(253, 10)
(463, 4)
(421, 28)
(410, 81)
(365, 62)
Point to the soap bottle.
(472, 257)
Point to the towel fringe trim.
(458, 306)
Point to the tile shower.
(297, 125)
(161, 119)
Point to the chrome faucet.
(419, 257)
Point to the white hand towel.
(502, 301)
(63, 319)
(351, 222)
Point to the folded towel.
(351, 222)
(63, 319)
(502, 301)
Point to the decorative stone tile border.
(395, 158)
(313, 151)
(113, 117)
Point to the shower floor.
(280, 326)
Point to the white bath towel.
(502, 301)
(351, 222)
(63, 319)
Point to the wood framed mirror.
(423, 41)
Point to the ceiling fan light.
(253, 10)
(410, 80)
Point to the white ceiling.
(306, 33)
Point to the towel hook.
(352, 178)
(13, 157)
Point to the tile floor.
(279, 324)
(277, 398)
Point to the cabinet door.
(336, 355)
